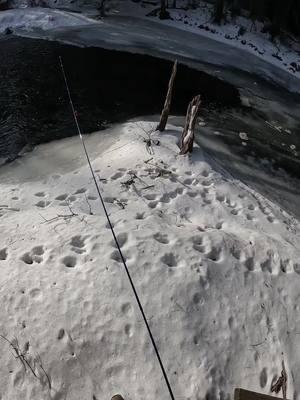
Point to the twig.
(21, 356)
(148, 187)
(63, 216)
(89, 205)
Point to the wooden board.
(242, 394)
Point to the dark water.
(112, 86)
(107, 86)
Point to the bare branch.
(167, 106)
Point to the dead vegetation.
(32, 365)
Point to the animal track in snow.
(297, 268)
(169, 259)
(249, 217)
(271, 219)
(33, 256)
(126, 309)
(69, 261)
(116, 176)
(42, 204)
(128, 330)
(140, 216)
(235, 212)
(80, 191)
(35, 293)
(78, 244)
(271, 263)
(152, 204)
(150, 196)
(62, 197)
(192, 194)
(207, 183)
(161, 238)
(198, 244)
(115, 255)
(250, 264)
(72, 199)
(188, 181)
(263, 378)
(205, 174)
(61, 334)
(121, 238)
(286, 266)
(109, 200)
(219, 225)
(40, 194)
(215, 254)
(3, 254)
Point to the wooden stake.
(188, 134)
(166, 110)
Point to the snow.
(253, 40)
(216, 265)
(42, 18)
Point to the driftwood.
(166, 110)
(281, 383)
(188, 134)
(242, 394)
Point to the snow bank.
(252, 40)
(43, 18)
(216, 266)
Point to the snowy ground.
(215, 263)
(41, 18)
(253, 40)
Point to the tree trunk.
(166, 110)
(188, 134)
(102, 8)
(219, 11)
(163, 13)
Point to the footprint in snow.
(42, 204)
(170, 260)
(35, 255)
(40, 194)
(62, 197)
(3, 254)
(80, 191)
(78, 244)
(161, 238)
(69, 261)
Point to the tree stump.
(167, 106)
(188, 134)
